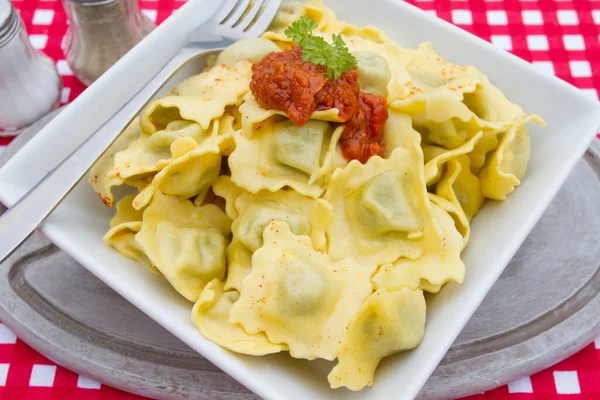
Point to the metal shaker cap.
(9, 21)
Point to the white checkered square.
(502, 41)
(532, 17)
(431, 12)
(150, 14)
(63, 68)
(43, 17)
(497, 18)
(574, 42)
(6, 335)
(522, 385)
(64, 95)
(84, 382)
(545, 67)
(567, 17)
(42, 375)
(462, 17)
(537, 42)
(566, 382)
(3, 373)
(38, 41)
(596, 16)
(580, 69)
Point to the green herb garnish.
(336, 56)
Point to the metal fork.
(235, 20)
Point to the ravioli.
(373, 72)
(103, 175)
(396, 59)
(439, 263)
(380, 207)
(186, 243)
(444, 121)
(298, 297)
(148, 154)
(388, 322)
(190, 173)
(211, 316)
(250, 50)
(460, 186)
(253, 212)
(123, 228)
(293, 11)
(436, 157)
(200, 98)
(508, 164)
(279, 154)
(431, 75)
(454, 209)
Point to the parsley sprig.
(336, 56)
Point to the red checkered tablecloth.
(559, 37)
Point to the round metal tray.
(544, 307)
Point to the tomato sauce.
(282, 81)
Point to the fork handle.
(25, 216)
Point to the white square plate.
(78, 225)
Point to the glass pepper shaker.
(100, 32)
(29, 83)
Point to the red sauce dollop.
(282, 81)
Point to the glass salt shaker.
(29, 83)
(100, 32)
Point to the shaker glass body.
(29, 83)
(100, 32)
